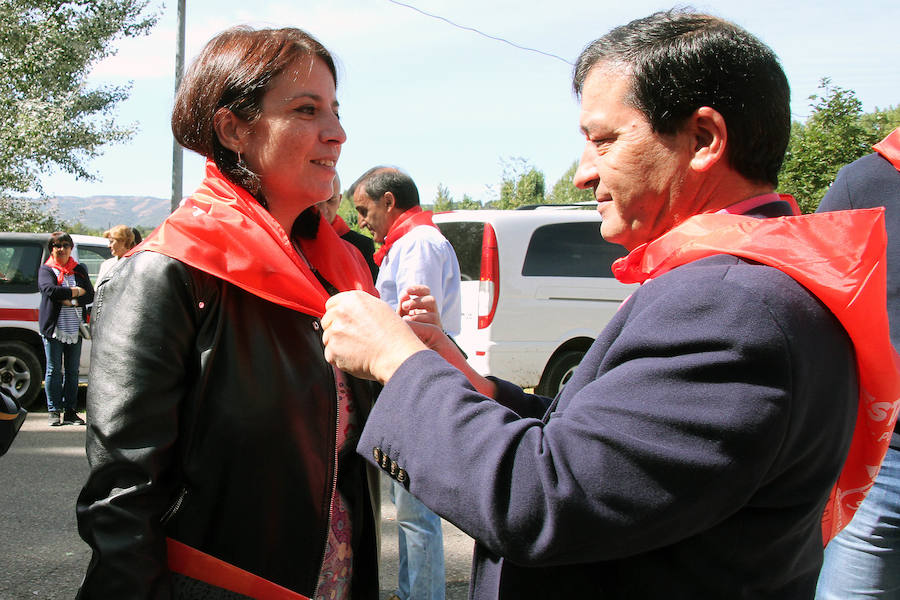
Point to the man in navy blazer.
(692, 453)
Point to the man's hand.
(365, 338)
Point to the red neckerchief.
(889, 148)
(66, 269)
(406, 222)
(222, 230)
(838, 256)
(340, 226)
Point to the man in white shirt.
(413, 252)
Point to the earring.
(240, 160)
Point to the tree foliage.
(443, 201)
(22, 214)
(836, 133)
(49, 118)
(565, 192)
(522, 184)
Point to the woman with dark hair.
(221, 442)
(65, 290)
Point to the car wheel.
(20, 372)
(558, 372)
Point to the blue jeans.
(421, 569)
(863, 561)
(61, 380)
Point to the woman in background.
(121, 240)
(65, 291)
(219, 434)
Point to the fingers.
(355, 326)
(417, 304)
(416, 290)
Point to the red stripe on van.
(18, 314)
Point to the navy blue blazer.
(690, 455)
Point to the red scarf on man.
(839, 257)
(222, 230)
(340, 226)
(406, 222)
(66, 269)
(889, 148)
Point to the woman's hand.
(417, 304)
(77, 292)
(365, 338)
(437, 340)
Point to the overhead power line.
(472, 29)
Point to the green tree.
(565, 192)
(834, 135)
(347, 211)
(443, 200)
(467, 203)
(23, 214)
(882, 121)
(49, 118)
(522, 184)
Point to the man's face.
(329, 208)
(637, 175)
(377, 217)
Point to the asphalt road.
(41, 555)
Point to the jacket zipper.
(176, 506)
(337, 425)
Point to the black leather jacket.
(212, 419)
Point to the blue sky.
(450, 106)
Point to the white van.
(21, 348)
(536, 290)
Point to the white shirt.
(423, 257)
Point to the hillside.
(102, 212)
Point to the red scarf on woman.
(406, 222)
(838, 256)
(222, 230)
(66, 269)
(889, 148)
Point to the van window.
(465, 237)
(91, 257)
(19, 264)
(570, 250)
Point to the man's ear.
(230, 129)
(389, 200)
(709, 136)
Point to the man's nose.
(586, 176)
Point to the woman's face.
(61, 251)
(117, 247)
(294, 145)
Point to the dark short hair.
(680, 61)
(233, 71)
(57, 237)
(377, 181)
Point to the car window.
(465, 236)
(19, 264)
(91, 257)
(570, 250)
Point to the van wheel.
(20, 372)
(558, 372)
